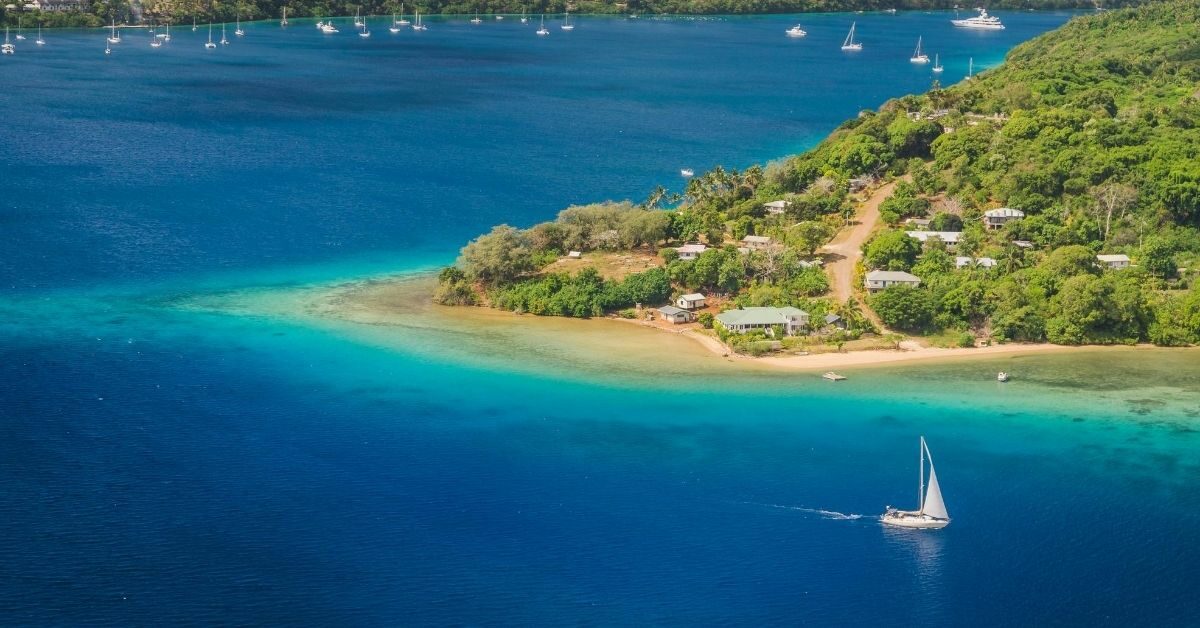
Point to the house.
(982, 262)
(918, 223)
(879, 279)
(691, 251)
(949, 237)
(692, 301)
(833, 320)
(1115, 262)
(574, 255)
(675, 315)
(777, 207)
(756, 242)
(741, 321)
(997, 218)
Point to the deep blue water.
(163, 466)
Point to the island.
(1054, 199)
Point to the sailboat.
(155, 40)
(418, 25)
(114, 37)
(194, 23)
(107, 48)
(524, 18)
(931, 514)
(365, 32)
(210, 45)
(543, 31)
(357, 20)
(20, 36)
(476, 19)
(567, 25)
(239, 32)
(402, 22)
(39, 41)
(7, 48)
(395, 27)
(283, 21)
(224, 42)
(167, 36)
(850, 44)
(937, 64)
(918, 56)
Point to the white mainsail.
(933, 505)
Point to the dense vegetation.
(1092, 130)
(101, 12)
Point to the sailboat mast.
(921, 481)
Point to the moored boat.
(931, 513)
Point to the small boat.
(499, 18)
(567, 25)
(7, 48)
(983, 21)
(395, 27)
(39, 41)
(476, 19)
(365, 32)
(850, 44)
(20, 35)
(891, 11)
(1002, 376)
(165, 36)
(796, 31)
(283, 21)
(224, 42)
(193, 23)
(210, 45)
(937, 65)
(357, 20)
(918, 56)
(833, 377)
(687, 173)
(107, 48)
(543, 31)
(931, 514)
(418, 25)
(402, 21)
(239, 32)
(114, 37)
(524, 18)
(156, 42)
(328, 28)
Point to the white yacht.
(193, 23)
(1002, 376)
(224, 42)
(918, 56)
(567, 25)
(39, 41)
(476, 20)
(982, 21)
(687, 173)
(20, 35)
(418, 25)
(365, 32)
(239, 32)
(328, 28)
(796, 31)
(937, 64)
(395, 27)
(931, 513)
(283, 21)
(114, 37)
(210, 45)
(7, 48)
(850, 44)
(357, 20)
(402, 21)
(499, 18)
(166, 35)
(543, 30)
(524, 18)
(155, 40)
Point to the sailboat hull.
(912, 519)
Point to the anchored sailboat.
(7, 48)
(418, 25)
(937, 64)
(402, 21)
(283, 21)
(210, 45)
(543, 31)
(239, 32)
(918, 56)
(114, 37)
(567, 25)
(850, 44)
(931, 514)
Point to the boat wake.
(824, 514)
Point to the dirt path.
(844, 251)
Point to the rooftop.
(756, 239)
(1004, 212)
(695, 296)
(671, 310)
(759, 315)
(1113, 258)
(891, 275)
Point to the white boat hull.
(910, 519)
(977, 26)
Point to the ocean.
(166, 463)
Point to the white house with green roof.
(747, 319)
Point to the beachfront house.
(997, 218)
(777, 207)
(793, 320)
(881, 279)
(1114, 262)
(756, 243)
(690, 302)
(675, 315)
(690, 251)
(949, 237)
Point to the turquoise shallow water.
(175, 464)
